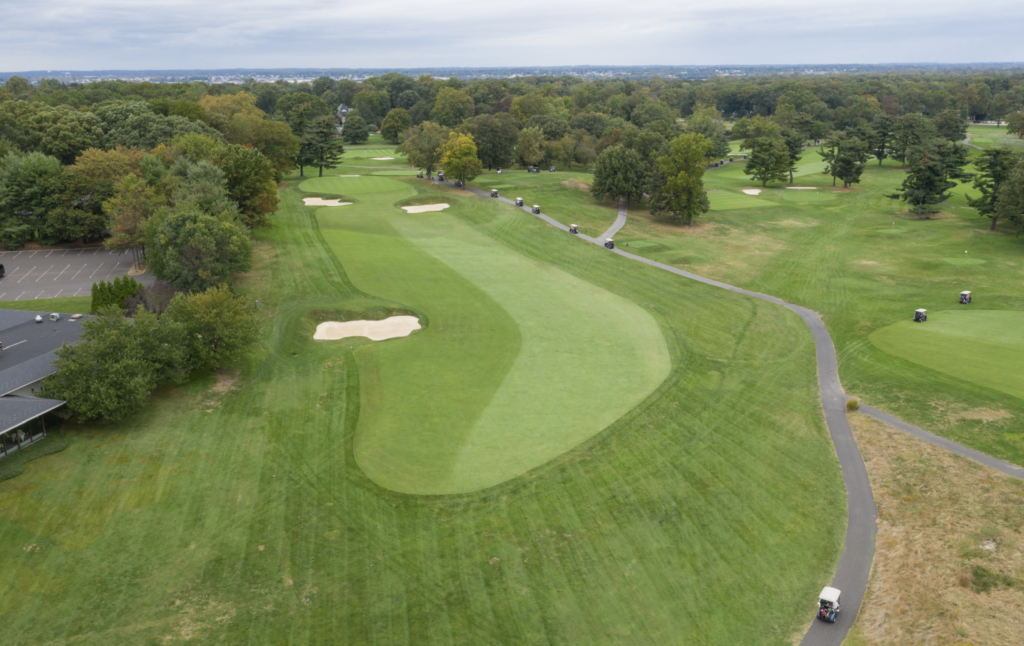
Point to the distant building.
(26, 359)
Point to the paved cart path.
(855, 563)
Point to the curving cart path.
(854, 568)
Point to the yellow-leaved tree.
(459, 159)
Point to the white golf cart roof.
(608, 240)
(921, 311)
(965, 293)
(829, 594)
(571, 225)
(519, 198)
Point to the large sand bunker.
(318, 201)
(423, 208)
(381, 158)
(752, 191)
(389, 328)
(801, 188)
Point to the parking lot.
(49, 273)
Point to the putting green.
(984, 347)
(520, 362)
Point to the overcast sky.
(207, 34)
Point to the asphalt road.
(49, 273)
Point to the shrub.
(852, 404)
(114, 293)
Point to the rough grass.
(949, 555)
(861, 262)
(240, 515)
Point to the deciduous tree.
(422, 145)
(395, 123)
(459, 158)
(129, 210)
(620, 172)
(682, 197)
(994, 167)
(218, 327)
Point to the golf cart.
(609, 243)
(2, 271)
(458, 183)
(519, 201)
(532, 169)
(965, 297)
(440, 175)
(419, 175)
(494, 192)
(920, 316)
(39, 318)
(498, 171)
(54, 316)
(536, 209)
(574, 229)
(551, 170)
(828, 604)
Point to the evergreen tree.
(321, 143)
(795, 145)
(933, 167)
(769, 160)
(994, 167)
(883, 128)
(1010, 202)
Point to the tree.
(707, 122)
(933, 167)
(495, 136)
(845, 158)
(1010, 202)
(458, 158)
(355, 130)
(909, 131)
(593, 122)
(251, 183)
(109, 373)
(321, 143)
(423, 144)
(682, 197)
(298, 109)
(395, 123)
(750, 129)
(994, 167)
(620, 172)
(883, 129)
(530, 145)
(1015, 125)
(578, 146)
(194, 250)
(795, 147)
(217, 326)
(768, 161)
(950, 126)
(129, 211)
(451, 106)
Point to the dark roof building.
(27, 344)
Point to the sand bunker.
(752, 191)
(423, 208)
(802, 188)
(389, 328)
(381, 158)
(317, 201)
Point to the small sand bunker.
(317, 201)
(389, 328)
(381, 158)
(423, 208)
(752, 191)
(802, 188)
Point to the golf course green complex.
(524, 360)
(984, 347)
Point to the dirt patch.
(949, 557)
(982, 414)
(576, 184)
(866, 262)
(795, 223)
(226, 380)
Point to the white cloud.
(118, 34)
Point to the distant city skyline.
(124, 35)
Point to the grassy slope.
(569, 204)
(241, 516)
(582, 357)
(864, 264)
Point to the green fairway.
(993, 137)
(241, 513)
(729, 201)
(981, 346)
(579, 355)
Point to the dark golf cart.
(609, 243)
(965, 297)
(494, 192)
(551, 170)
(458, 183)
(519, 201)
(920, 316)
(828, 605)
(440, 175)
(419, 175)
(536, 209)
(573, 229)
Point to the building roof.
(15, 411)
(27, 357)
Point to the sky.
(211, 34)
